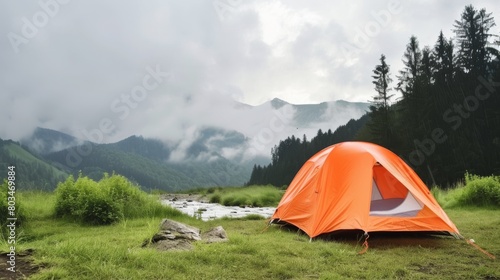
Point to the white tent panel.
(396, 207)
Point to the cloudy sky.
(163, 68)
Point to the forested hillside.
(291, 153)
(144, 162)
(32, 172)
(447, 120)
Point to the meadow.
(62, 248)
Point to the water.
(210, 211)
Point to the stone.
(180, 230)
(176, 236)
(158, 237)
(173, 245)
(216, 234)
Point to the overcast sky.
(139, 67)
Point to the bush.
(215, 198)
(100, 210)
(480, 191)
(101, 203)
(129, 197)
(86, 201)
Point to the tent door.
(391, 198)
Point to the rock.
(177, 236)
(171, 237)
(158, 237)
(180, 230)
(173, 245)
(216, 234)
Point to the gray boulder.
(176, 236)
(216, 234)
(180, 230)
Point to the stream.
(209, 211)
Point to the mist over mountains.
(246, 132)
(207, 155)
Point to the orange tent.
(360, 186)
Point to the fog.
(103, 71)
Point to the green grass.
(449, 198)
(477, 191)
(68, 250)
(256, 196)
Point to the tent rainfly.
(360, 186)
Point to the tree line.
(291, 153)
(446, 120)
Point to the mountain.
(148, 148)
(44, 141)
(211, 155)
(32, 172)
(145, 162)
(306, 115)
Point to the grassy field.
(67, 250)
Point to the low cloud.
(69, 74)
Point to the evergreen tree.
(472, 37)
(381, 124)
(444, 61)
(412, 59)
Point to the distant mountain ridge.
(306, 114)
(45, 141)
(148, 148)
(213, 157)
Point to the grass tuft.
(255, 196)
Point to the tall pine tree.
(381, 123)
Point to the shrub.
(100, 210)
(215, 198)
(100, 203)
(66, 198)
(129, 197)
(480, 191)
(86, 201)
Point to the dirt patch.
(24, 266)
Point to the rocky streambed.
(196, 206)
